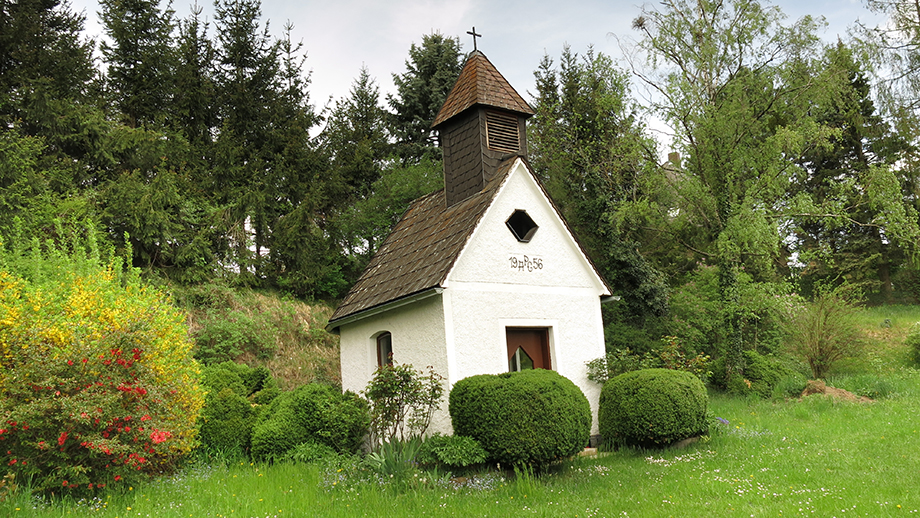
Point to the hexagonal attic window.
(522, 226)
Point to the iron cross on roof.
(474, 35)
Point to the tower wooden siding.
(469, 162)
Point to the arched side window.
(384, 349)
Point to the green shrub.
(254, 378)
(672, 357)
(761, 377)
(275, 438)
(228, 417)
(241, 378)
(216, 378)
(653, 407)
(912, 341)
(529, 417)
(227, 334)
(669, 355)
(824, 332)
(225, 423)
(451, 451)
(762, 374)
(266, 395)
(765, 372)
(402, 402)
(310, 413)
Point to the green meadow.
(814, 456)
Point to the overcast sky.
(342, 35)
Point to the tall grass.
(286, 335)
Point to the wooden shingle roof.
(480, 83)
(420, 251)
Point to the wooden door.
(528, 348)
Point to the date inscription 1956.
(526, 263)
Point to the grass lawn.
(810, 457)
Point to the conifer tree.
(47, 121)
(246, 78)
(431, 71)
(268, 178)
(42, 58)
(590, 149)
(853, 250)
(140, 58)
(192, 112)
(356, 139)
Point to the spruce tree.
(431, 71)
(140, 60)
(851, 250)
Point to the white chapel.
(482, 276)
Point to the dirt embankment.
(819, 387)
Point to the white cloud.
(342, 36)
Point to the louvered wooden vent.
(502, 132)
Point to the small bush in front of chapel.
(653, 407)
(451, 451)
(765, 375)
(522, 418)
(225, 423)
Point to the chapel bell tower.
(481, 124)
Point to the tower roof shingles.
(481, 83)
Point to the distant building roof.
(480, 83)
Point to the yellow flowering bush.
(98, 386)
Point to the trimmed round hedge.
(652, 407)
(531, 417)
(312, 412)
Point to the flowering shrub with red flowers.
(98, 386)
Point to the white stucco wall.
(484, 294)
(417, 331)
